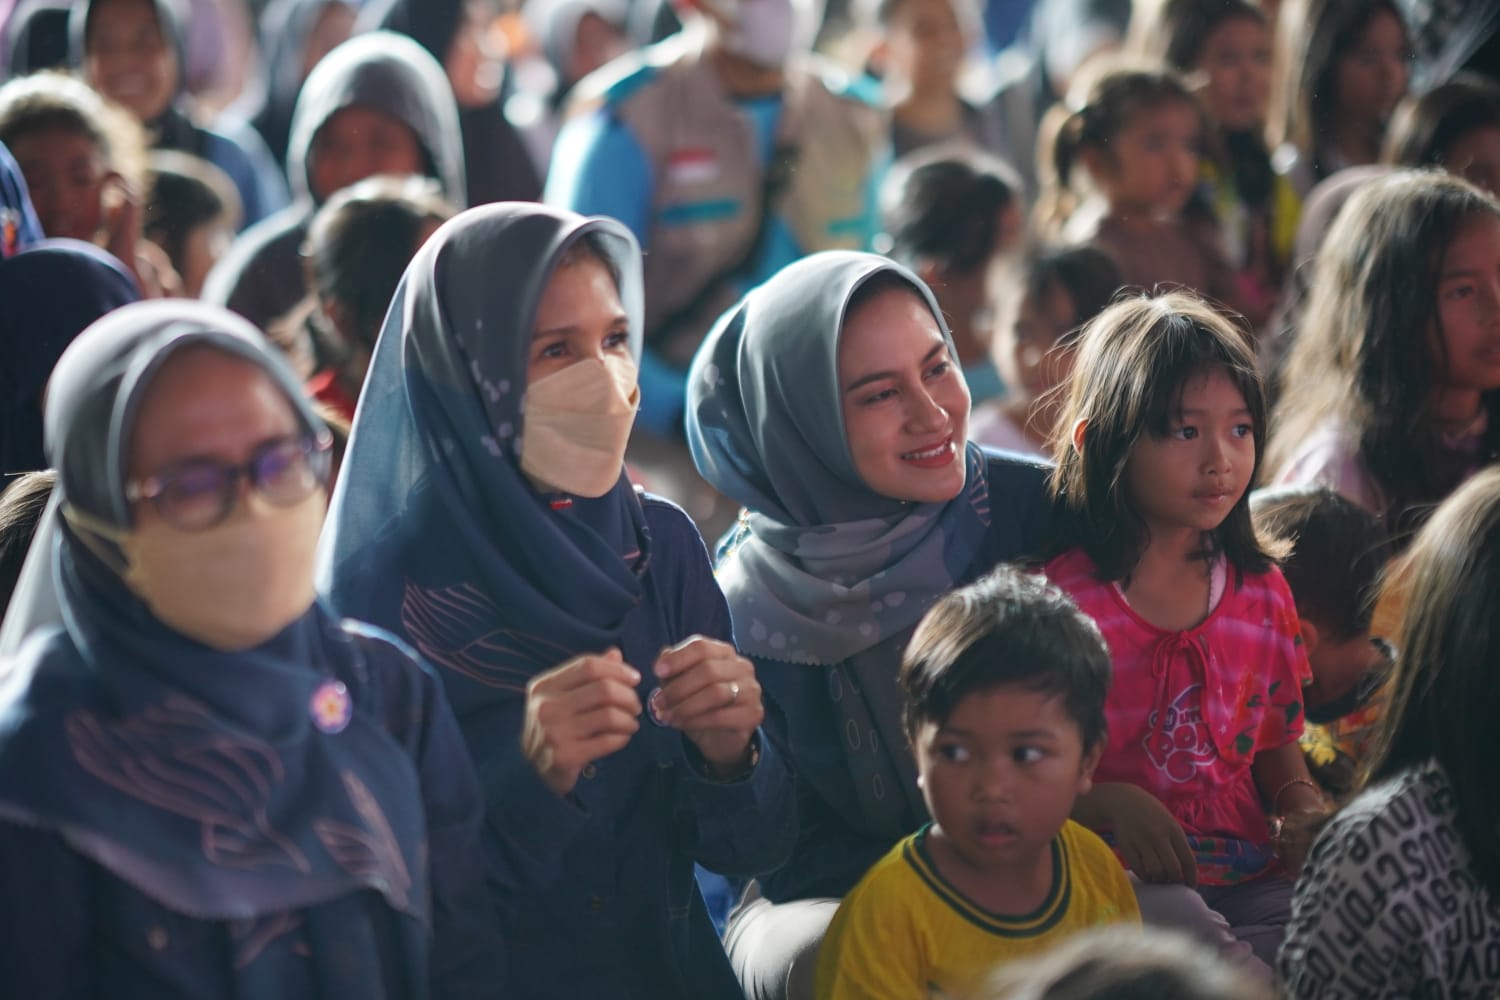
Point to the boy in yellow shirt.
(1005, 683)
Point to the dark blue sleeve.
(46, 949)
(744, 827)
(468, 955)
(1021, 512)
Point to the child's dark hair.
(1109, 106)
(1133, 362)
(186, 192)
(944, 207)
(1363, 358)
(46, 101)
(1008, 627)
(361, 240)
(1312, 36)
(1175, 31)
(1425, 127)
(1087, 275)
(1124, 962)
(1335, 552)
(1447, 691)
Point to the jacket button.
(596, 903)
(590, 771)
(156, 937)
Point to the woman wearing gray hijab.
(830, 404)
(377, 104)
(485, 516)
(209, 785)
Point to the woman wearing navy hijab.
(51, 291)
(210, 786)
(484, 515)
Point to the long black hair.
(1447, 690)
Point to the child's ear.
(1309, 636)
(1077, 435)
(1087, 765)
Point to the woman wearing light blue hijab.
(830, 404)
(484, 515)
(209, 785)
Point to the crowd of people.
(756, 499)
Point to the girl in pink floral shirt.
(1158, 445)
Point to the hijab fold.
(210, 781)
(434, 532)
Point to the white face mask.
(577, 422)
(232, 586)
(759, 31)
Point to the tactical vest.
(709, 185)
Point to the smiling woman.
(830, 404)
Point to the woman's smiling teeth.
(942, 449)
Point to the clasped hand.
(588, 708)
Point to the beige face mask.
(232, 586)
(577, 422)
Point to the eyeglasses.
(200, 493)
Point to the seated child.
(84, 163)
(192, 213)
(1045, 300)
(1335, 551)
(1005, 682)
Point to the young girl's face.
(1192, 477)
(1026, 346)
(1468, 307)
(1236, 56)
(905, 405)
(129, 58)
(65, 173)
(1370, 78)
(1151, 165)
